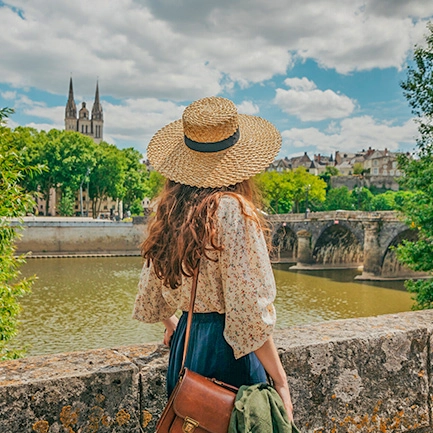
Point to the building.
(90, 125)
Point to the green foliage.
(66, 203)
(358, 168)
(66, 156)
(107, 176)
(327, 174)
(135, 181)
(418, 174)
(362, 199)
(291, 190)
(338, 199)
(73, 160)
(275, 191)
(154, 184)
(385, 201)
(14, 202)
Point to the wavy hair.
(184, 227)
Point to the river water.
(86, 303)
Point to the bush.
(14, 202)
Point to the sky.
(327, 73)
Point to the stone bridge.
(342, 239)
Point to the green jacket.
(259, 409)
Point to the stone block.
(94, 391)
(152, 362)
(361, 375)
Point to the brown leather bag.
(197, 404)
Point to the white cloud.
(300, 84)
(136, 120)
(186, 50)
(8, 95)
(350, 135)
(308, 103)
(248, 107)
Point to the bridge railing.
(336, 215)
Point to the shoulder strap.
(190, 313)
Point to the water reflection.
(86, 303)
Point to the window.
(375, 170)
(87, 129)
(82, 129)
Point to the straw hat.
(213, 146)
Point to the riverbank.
(360, 375)
(79, 237)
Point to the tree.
(275, 191)
(327, 174)
(418, 174)
(135, 181)
(14, 202)
(338, 198)
(358, 168)
(107, 178)
(291, 190)
(67, 156)
(362, 199)
(306, 189)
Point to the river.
(86, 303)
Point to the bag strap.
(190, 313)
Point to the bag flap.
(204, 401)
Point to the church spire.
(97, 107)
(71, 108)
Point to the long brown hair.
(184, 227)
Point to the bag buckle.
(189, 425)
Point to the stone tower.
(97, 117)
(90, 126)
(71, 111)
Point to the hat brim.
(257, 147)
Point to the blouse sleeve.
(150, 305)
(248, 280)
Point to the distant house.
(319, 163)
(300, 161)
(280, 165)
(345, 168)
(382, 163)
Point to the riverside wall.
(359, 375)
(74, 236)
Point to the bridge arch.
(338, 245)
(390, 265)
(284, 243)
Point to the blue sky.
(325, 72)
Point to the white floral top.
(240, 284)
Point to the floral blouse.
(240, 284)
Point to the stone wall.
(363, 375)
(368, 180)
(50, 236)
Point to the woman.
(206, 217)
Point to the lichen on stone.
(41, 426)
(147, 417)
(122, 417)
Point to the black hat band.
(217, 146)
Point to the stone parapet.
(48, 236)
(363, 375)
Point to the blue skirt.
(209, 354)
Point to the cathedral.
(91, 126)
